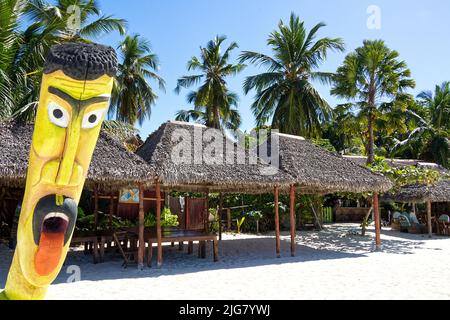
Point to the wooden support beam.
(429, 217)
(293, 226)
(158, 222)
(111, 211)
(141, 252)
(228, 219)
(277, 221)
(206, 215)
(187, 213)
(377, 218)
(219, 214)
(96, 207)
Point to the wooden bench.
(176, 235)
(94, 240)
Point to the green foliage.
(87, 222)
(429, 138)
(167, 219)
(240, 222)
(214, 105)
(255, 215)
(133, 96)
(27, 31)
(324, 143)
(214, 220)
(370, 76)
(284, 92)
(405, 175)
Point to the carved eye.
(92, 119)
(58, 115)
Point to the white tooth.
(50, 215)
(62, 216)
(56, 215)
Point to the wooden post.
(219, 214)
(277, 222)
(111, 211)
(376, 211)
(158, 222)
(141, 251)
(430, 225)
(293, 226)
(95, 207)
(186, 213)
(206, 215)
(229, 219)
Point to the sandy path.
(329, 265)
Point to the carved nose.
(68, 165)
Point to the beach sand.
(331, 264)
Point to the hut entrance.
(196, 214)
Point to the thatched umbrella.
(318, 171)
(421, 193)
(416, 193)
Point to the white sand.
(329, 265)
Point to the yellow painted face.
(67, 127)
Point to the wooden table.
(98, 240)
(172, 235)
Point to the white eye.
(58, 115)
(92, 119)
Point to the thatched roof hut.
(317, 170)
(439, 192)
(112, 167)
(415, 193)
(183, 157)
(400, 163)
(313, 169)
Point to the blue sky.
(419, 30)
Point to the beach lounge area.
(224, 150)
(331, 264)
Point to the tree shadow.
(334, 242)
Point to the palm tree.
(368, 76)
(214, 104)
(77, 19)
(229, 117)
(430, 139)
(28, 28)
(438, 105)
(284, 92)
(133, 96)
(22, 52)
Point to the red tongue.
(49, 253)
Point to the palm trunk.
(216, 118)
(371, 142)
(371, 147)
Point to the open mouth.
(53, 224)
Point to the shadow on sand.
(335, 242)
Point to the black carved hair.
(82, 61)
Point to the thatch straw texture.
(112, 167)
(317, 170)
(204, 169)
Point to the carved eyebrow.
(75, 102)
